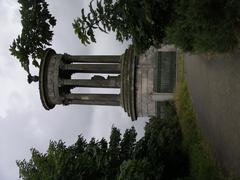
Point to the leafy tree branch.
(143, 21)
(36, 35)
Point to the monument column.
(95, 82)
(92, 68)
(93, 99)
(91, 59)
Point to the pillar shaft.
(93, 68)
(93, 59)
(107, 83)
(94, 99)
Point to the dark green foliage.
(36, 32)
(206, 25)
(136, 170)
(158, 155)
(164, 145)
(143, 21)
(128, 144)
(52, 165)
(114, 153)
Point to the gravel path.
(214, 84)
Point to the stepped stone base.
(155, 76)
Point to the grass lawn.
(202, 163)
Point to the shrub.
(205, 25)
(164, 145)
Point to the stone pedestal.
(155, 80)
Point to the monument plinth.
(144, 81)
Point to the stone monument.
(144, 81)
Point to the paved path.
(214, 84)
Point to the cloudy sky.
(23, 121)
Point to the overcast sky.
(23, 121)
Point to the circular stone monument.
(144, 81)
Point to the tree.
(128, 144)
(36, 34)
(204, 26)
(114, 153)
(164, 149)
(157, 155)
(51, 165)
(143, 21)
(82, 160)
(196, 26)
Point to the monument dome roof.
(43, 79)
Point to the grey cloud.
(23, 121)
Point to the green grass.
(203, 166)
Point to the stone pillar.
(92, 59)
(92, 68)
(95, 82)
(93, 99)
